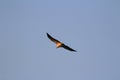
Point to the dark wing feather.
(68, 48)
(52, 39)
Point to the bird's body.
(59, 44)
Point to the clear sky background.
(92, 27)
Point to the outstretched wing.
(53, 39)
(68, 48)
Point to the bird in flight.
(60, 44)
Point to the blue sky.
(92, 27)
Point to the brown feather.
(52, 39)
